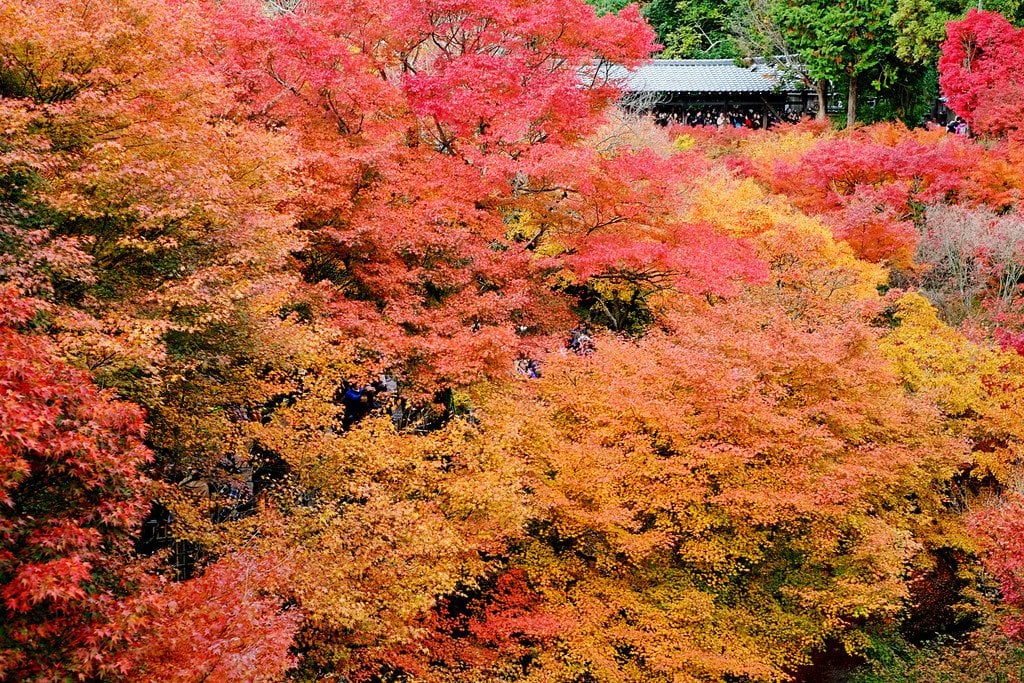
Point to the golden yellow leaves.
(978, 387)
(740, 482)
(814, 273)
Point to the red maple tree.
(70, 495)
(979, 72)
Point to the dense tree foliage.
(980, 72)
(342, 341)
(71, 495)
(842, 42)
(700, 29)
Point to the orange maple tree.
(739, 461)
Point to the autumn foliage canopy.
(353, 341)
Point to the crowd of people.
(753, 119)
(725, 118)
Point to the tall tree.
(921, 24)
(694, 29)
(758, 34)
(430, 144)
(846, 42)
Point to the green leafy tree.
(757, 34)
(920, 25)
(695, 28)
(845, 41)
(608, 6)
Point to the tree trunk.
(821, 87)
(851, 102)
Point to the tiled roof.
(698, 75)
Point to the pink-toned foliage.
(1002, 528)
(972, 263)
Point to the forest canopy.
(373, 343)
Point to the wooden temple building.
(674, 88)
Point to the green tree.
(843, 41)
(694, 28)
(604, 7)
(758, 35)
(920, 25)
